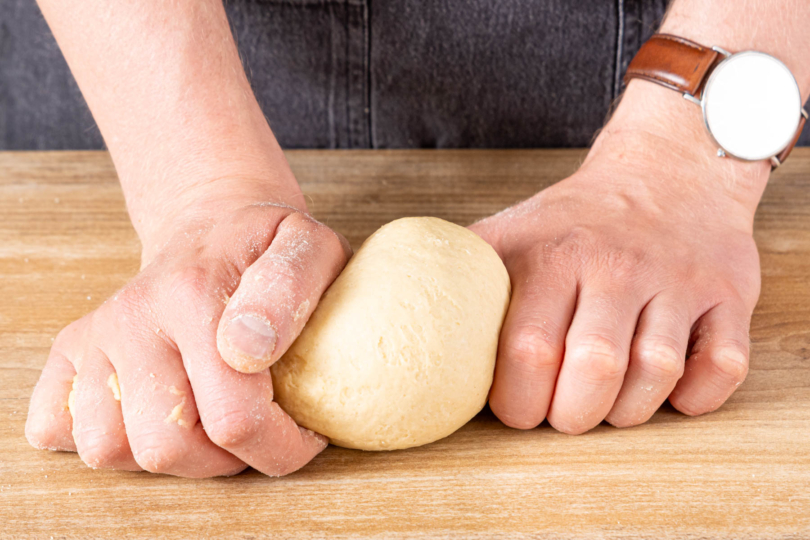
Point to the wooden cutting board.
(741, 472)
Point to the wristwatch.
(751, 102)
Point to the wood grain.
(742, 472)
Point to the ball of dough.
(401, 349)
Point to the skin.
(642, 258)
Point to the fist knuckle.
(98, 451)
(620, 264)
(598, 358)
(533, 350)
(623, 421)
(567, 426)
(688, 406)
(660, 360)
(159, 455)
(731, 363)
(580, 237)
(626, 413)
(232, 426)
(517, 419)
(576, 248)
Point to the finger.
(49, 423)
(718, 362)
(278, 292)
(238, 412)
(596, 355)
(158, 405)
(531, 346)
(657, 356)
(98, 424)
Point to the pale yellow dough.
(112, 382)
(401, 349)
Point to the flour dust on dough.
(400, 351)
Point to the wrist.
(656, 128)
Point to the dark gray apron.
(375, 73)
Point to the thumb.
(278, 293)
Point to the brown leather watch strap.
(674, 62)
(783, 155)
(683, 65)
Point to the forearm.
(166, 86)
(667, 121)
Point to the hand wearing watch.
(750, 100)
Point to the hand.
(642, 257)
(196, 160)
(220, 295)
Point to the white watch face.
(752, 105)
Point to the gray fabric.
(476, 73)
(41, 107)
(375, 73)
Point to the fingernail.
(251, 336)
